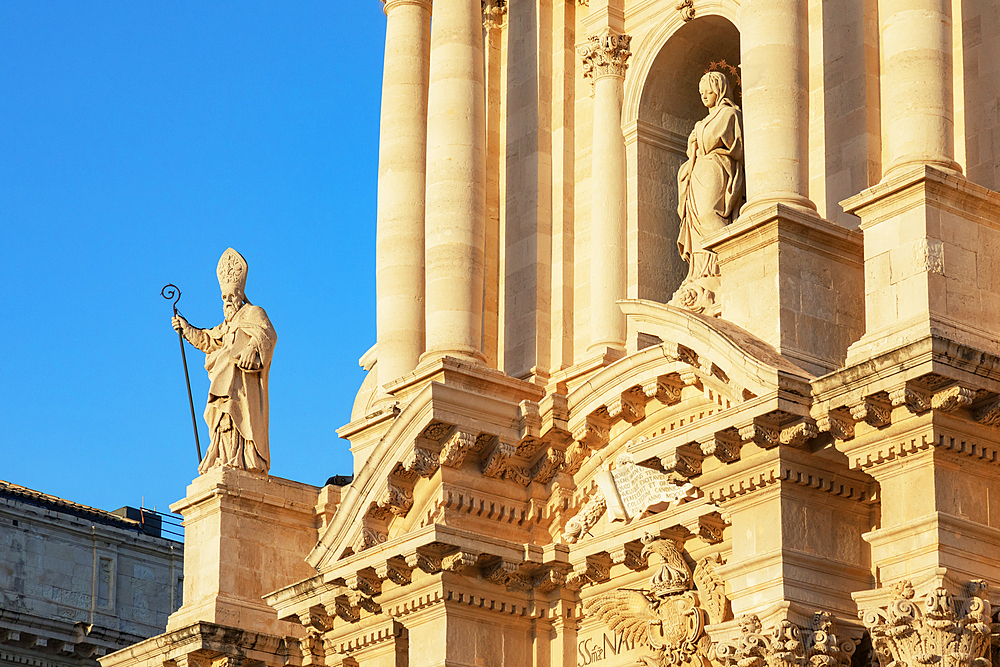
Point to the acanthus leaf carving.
(428, 562)
(723, 445)
(764, 435)
(422, 461)
(989, 414)
(916, 401)
(872, 411)
(839, 426)
(455, 448)
(786, 645)
(496, 463)
(663, 388)
(576, 455)
(627, 406)
(549, 581)
(395, 570)
(953, 398)
(942, 630)
(685, 460)
(799, 434)
(546, 467)
(631, 555)
(606, 54)
(369, 538)
(517, 474)
(459, 561)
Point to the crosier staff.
(168, 292)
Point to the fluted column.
(605, 59)
(775, 64)
(456, 181)
(399, 256)
(917, 105)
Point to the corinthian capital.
(606, 54)
(493, 13)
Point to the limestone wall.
(79, 581)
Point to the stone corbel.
(690, 377)
(395, 570)
(594, 569)
(435, 431)
(554, 409)
(764, 433)
(547, 466)
(459, 561)
(840, 426)
(915, 400)
(428, 562)
(989, 414)
(872, 411)
(496, 463)
(664, 388)
(365, 581)
(685, 460)
(631, 556)
(421, 461)
(518, 474)
(345, 610)
(594, 433)
(953, 398)
(628, 406)
(398, 498)
(549, 581)
(711, 527)
(799, 434)
(723, 445)
(455, 447)
(369, 538)
(500, 571)
(317, 619)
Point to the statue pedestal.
(932, 252)
(246, 535)
(796, 281)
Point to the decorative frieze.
(606, 54)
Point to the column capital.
(494, 12)
(606, 54)
(389, 5)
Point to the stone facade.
(78, 582)
(553, 466)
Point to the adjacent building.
(77, 582)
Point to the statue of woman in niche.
(709, 190)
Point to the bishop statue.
(238, 359)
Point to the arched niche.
(657, 125)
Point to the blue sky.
(138, 140)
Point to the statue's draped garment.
(709, 184)
(236, 412)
